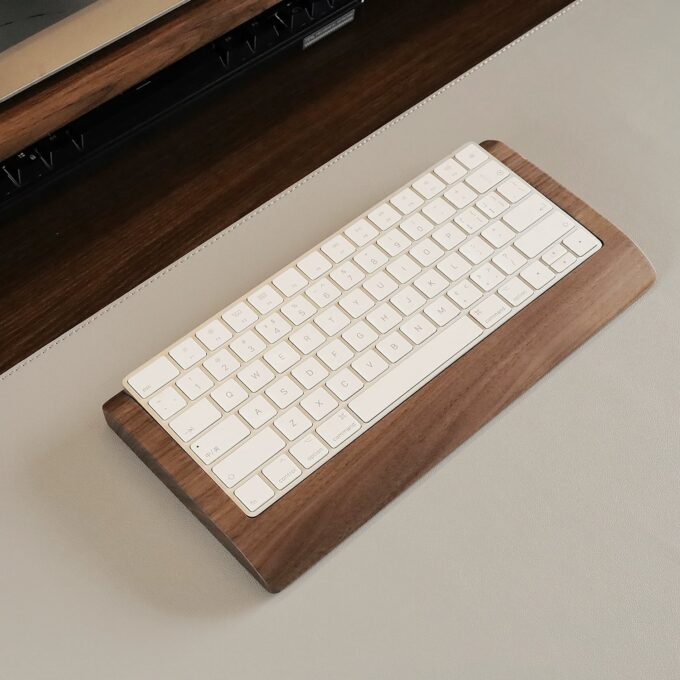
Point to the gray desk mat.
(548, 546)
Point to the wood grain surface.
(310, 520)
(77, 90)
(91, 238)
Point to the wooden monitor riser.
(308, 522)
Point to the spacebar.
(413, 370)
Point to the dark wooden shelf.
(96, 235)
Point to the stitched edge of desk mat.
(273, 201)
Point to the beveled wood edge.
(283, 543)
(62, 98)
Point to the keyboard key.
(414, 369)
(394, 242)
(224, 436)
(308, 451)
(492, 205)
(465, 294)
(239, 317)
(490, 311)
(307, 339)
(515, 291)
(221, 364)
(290, 282)
(460, 195)
(417, 329)
(293, 423)
(429, 186)
(441, 311)
(265, 299)
(471, 220)
(338, 428)
(273, 328)
(394, 347)
(356, 303)
(229, 395)
(344, 384)
(497, 234)
(314, 265)
(247, 346)
(487, 176)
(381, 285)
(309, 373)
(298, 310)
(581, 242)
(361, 232)
(153, 376)
(403, 269)
(369, 366)
(439, 211)
(431, 283)
(450, 171)
(513, 189)
(194, 420)
(527, 212)
(454, 266)
(448, 236)
(248, 457)
(257, 411)
(426, 252)
(564, 262)
(194, 383)
(537, 275)
(471, 156)
(254, 493)
(332, 320)
(284, 392)
(187, 353)
(554, 253)
(476, 250)
(255, 376)
(281, 357)
(214, 335)
(347, 275)
(384, 318)
(406, 201)
(544, 234)
(338, 248)
(509, 260)
(323, 292)
(167, 402)
(319, 404)
(407, 300)
(370, 259)
(416, 226)
(384, 216)
(281, 471)
(359, 336)
(335, 354)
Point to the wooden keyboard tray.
(308, 522)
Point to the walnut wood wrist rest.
(308, 522)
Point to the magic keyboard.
(273, 386)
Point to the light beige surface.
(548, 546)
(74, 38)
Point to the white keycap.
(487, 176)
(255, 376)
(384, 216)
(428, 185)
(515, 291)
(319, 404)
(407, 300)
(167, 402)
(361, 232)
(338, 248)
(265, 299)
(544, 234)
(492, 205)
(526, 213)
(290, 282)
(214, 334)
(498, 234)
(476, 250)
(416, 226)
(426, 252)
(273, 328)
(394, 347)
(281, 471)
(239, 317)
(248, 457)
(356, 303)
(403, 268)
(370, 259)
(460, 195)
(359, 336)
(439, 210)
(293, 423)
(537, 275)
(448, 236)
(298, 310)
(335, 354)
(347, 275)
(431, 283)
(454, 266)
(441, 311)
(153, 376)
(581, 242)
(380, 285)
(284, 392)
(194, 420)
(490, 311)
(194, 383)
(513, 189)
(281, 357)
(394, 242)
(417, 329)
(554, 253)
(309, 373)
(406, 201)
(307, 339)
(221, 364)
(564, 262)
(338, 428)
(332, 320)
(229, 395)
(369, 365)
(187, 353)
(465, 294)
(247, 346)
(344, 384)
(471, 220)
(384, 318)
(323, 292)
(314, 265)
(216, 442)
(450, 171)
(414, 368)
(257, 411)
(308, 451)
(471, 156)
(509, 260)
(254, 493)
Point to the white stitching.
(276, 199)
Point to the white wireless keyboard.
(279, 382)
